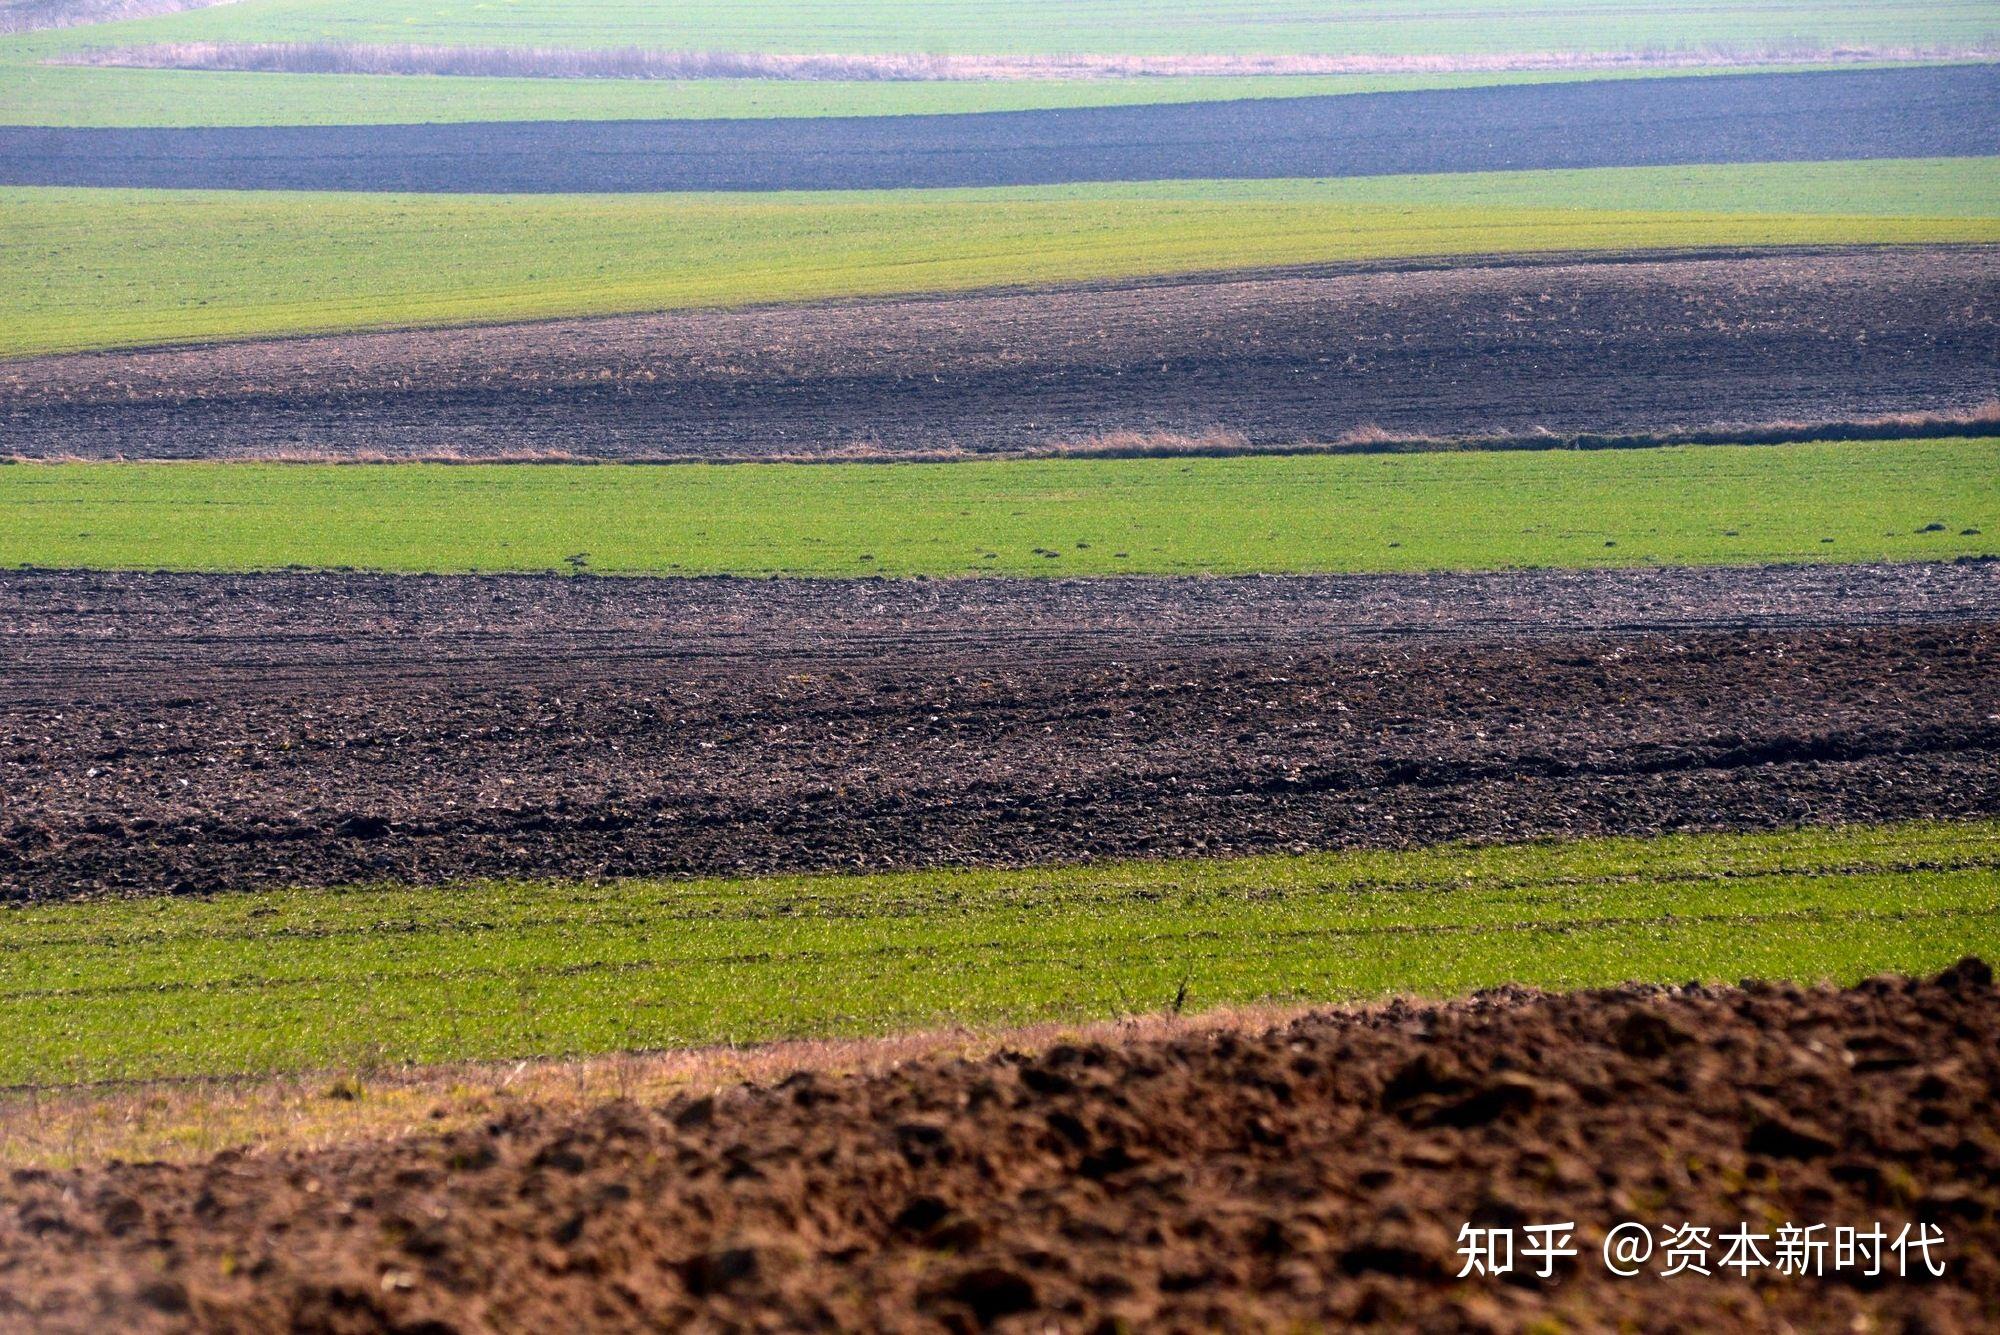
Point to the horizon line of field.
(104, 991)
(1818, 502)
(1055, 27)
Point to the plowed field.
(191, 732)
(1474, 349)
(1937, 111)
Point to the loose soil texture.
(1472, 349)
(1316, 1174)
(190, 733)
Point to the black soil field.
(1312, 1176)
(1474, 349)
(180, 733)
(1941, 111)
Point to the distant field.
(1701, 505)
(33, 94)
(1823, 116)
(281, 981)
(101, 269)
(1059, 26)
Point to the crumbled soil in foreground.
(1470, 348)
(1316, 1173)
(180, 733)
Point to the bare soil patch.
(1479, 349)
(164, 733)
(1314, 1174)
(1916, 111)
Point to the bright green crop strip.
(255, 983)
(107, 268)
(1907, 500)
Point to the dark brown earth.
(1312, 1176)
(173, 733)
(1471, 349)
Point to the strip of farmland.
(1817, 116)
(170, 733)
(1900, 500)
(1176, 27)
(296, 980)
(42, 94)
(1472, 350)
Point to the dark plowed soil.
(1476, 349)
(171, 733)
(1313, 1176)
(1940, 111)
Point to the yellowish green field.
(116, 268)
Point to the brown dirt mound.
(1470, 350)
(1316, 1174)
(163, 733)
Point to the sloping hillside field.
(860, 665)
(1814, 116)
(1459, 350)
(105, 269)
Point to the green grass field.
(1696, 505)
(111, 268)
(281, 981)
